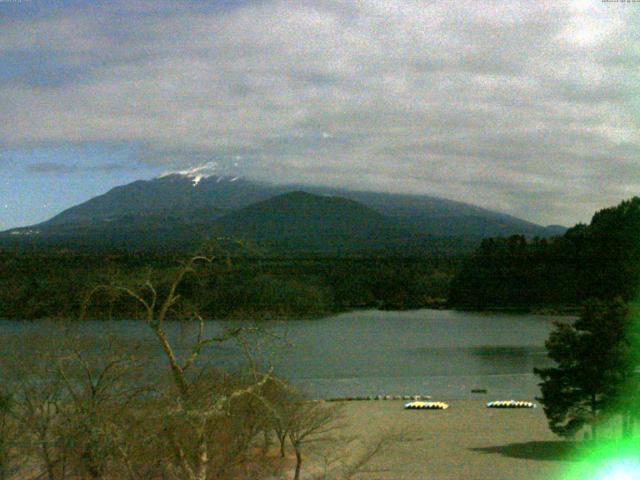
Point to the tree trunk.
(47, 461)
(296, 476)
(203, 460)
(178, 374)
(282, 442)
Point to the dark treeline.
(599, 260)
(53, 284)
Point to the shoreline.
(266, 317)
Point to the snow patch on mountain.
(196, 174)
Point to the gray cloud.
(51, 167)
(65, 168)
(527, 107)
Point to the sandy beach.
(467, 441)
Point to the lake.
(440, 353)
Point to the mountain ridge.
(136, 213)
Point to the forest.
(53, 284)
(599, 260)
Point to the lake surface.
(441, 353)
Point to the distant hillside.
(314, 223)
(177, 212)
(443, 218)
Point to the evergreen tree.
(595, 364)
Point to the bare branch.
(203, 342)
(154, 294)
(198, 346)
(171, 296)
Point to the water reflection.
(506, 351)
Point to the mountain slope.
(441, 217)
(172, 195)
(176, 211)
(312, 222)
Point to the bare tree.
(37, 408)
(98, 386)
(305, 422)
(68, 395)
(8, 435)
(198, 409)
(278, 400)
(368, 452)
(309, 421)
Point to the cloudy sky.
(530, 108)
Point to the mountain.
(441, 217)
(170, 195)
(181, 212)
(299, 213)
(318, 223)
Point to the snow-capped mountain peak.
(196, 174)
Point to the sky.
(530, 108)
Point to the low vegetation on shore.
(52, 284)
